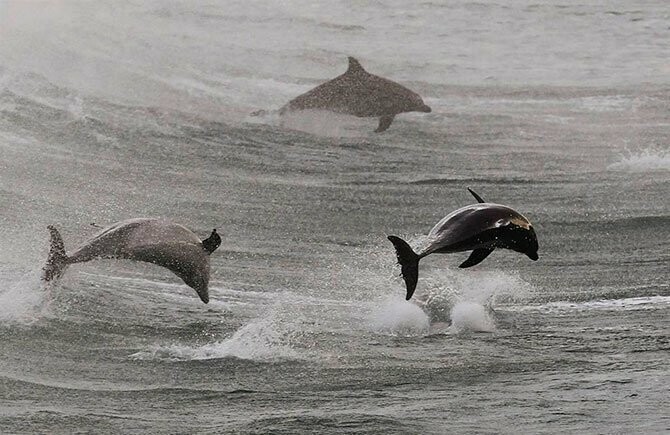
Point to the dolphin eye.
(501, 223)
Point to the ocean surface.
(560, 110)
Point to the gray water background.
(132, 109)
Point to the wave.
(20, 380)
(647, 160)
(310, 421)
(474, 180)
(617, 223)
(626, 304)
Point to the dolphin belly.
(188, 262)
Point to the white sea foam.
(399, 317)
(647, 160)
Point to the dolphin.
(480, 227)
(359, 93)
(154, 241)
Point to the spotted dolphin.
(480, 227)
(359, 93)
(154, 241)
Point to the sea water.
(168, 109)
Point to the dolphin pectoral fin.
(476, 257)
(384, 123)
(203, 294)
(479, 199)
(212, 242)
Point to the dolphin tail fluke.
(409, 264)
(58, 259)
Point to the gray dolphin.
(151, 240)
(478, 227)
(359, 93)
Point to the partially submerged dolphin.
(151, 240)
(478, 227)
(359, 93)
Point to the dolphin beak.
(532, 255)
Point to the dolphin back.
(359, 93)
(117, 240)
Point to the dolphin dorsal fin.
(477, 197)
(355, 66)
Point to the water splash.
(471, 316)
(24, 300)
(647, 160)
(263, 340)
(399, 317)
(448, 288)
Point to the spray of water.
(259, 340)
(395, 316)
(466, 299)
(471, 316)
(645, 160)
(270, 337)
(24, 300)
